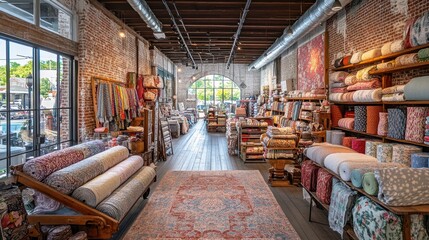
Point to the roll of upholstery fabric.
(349, 114)
(329, 135)
(394, 97)
(124, 197)
(393, 89)
(407, 31)
(386, 65)
(337, 138)
(416, 119)
(371, 148)
(360, 118)
(372, 118)
(336, 115)
(396, 123)
(348, 123)
(372, 84)
(373, 53)
(369, 183)
(338, 62)
(79, 236)
(324, 186)
(346, 168)
(96, 190)
(68, 179)
(346, 60)
(336, 97)
(384, 152)
(363, 74)
(347, 97)
(338, 76)
(358, 145)
(90, 148)
(347, 141)
(356, 57)
(350, 80)
(402, 153)
(382, 128)
(309, 175)
(356, 174)
(288, 109)
(397, 45)
(60, 232)
(420, 160)
(334, 161)
(319, 151)
(338, 90)
(417, 89)
(420, 31)
(423, 54)
(373, 95)
(406, 59)
(386, 48)
(336, 85)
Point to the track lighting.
(337, 6)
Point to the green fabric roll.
(370, 184)
(423, 54)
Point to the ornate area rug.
(212, 205)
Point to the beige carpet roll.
(96, 190)
(123, 198)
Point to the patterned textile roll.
(324, 186)
(396, 123)
(371, 148)
(417, 89)
(423, 54)
(406, 59)
(420, 160)
(397, 46)
(350, 80)
(337, 138)
(102, 186)
(372, 84)
(13, 215)
(373, 53)
(329, 135)
(384, 152)
(373, 95)
(342, 201)
(356, 174)
(347, 141)
(402, 153)
(356, 57)
(336, 115)
(416, 118)
(338, 76)
(382, 124)
(288, 109)
(359, 145)
(90, 148)
(420, 31)
(57, 232)
(369, 183)
(386, 48)
(68, 179)
(124, 197)
(386, 65)
(360, 118)
(372, 118)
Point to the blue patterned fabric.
(396, 123)
(420, 160)
(360, 118)
(342, 200)
(296, 110)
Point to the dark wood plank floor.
(199, 150)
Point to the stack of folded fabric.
(337, 84)
(232, 136)
(365, 85)
(394, 93)
(426, 138)
(280, 138)
(373, 118)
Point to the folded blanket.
(395, 188)
(318, 153)
(417, 89)
(406, 59)
(350, 79)
(375, 83)
(386, 48)
(423, 54)
(356, 58)
(373, 95)
(342, 201)
(346, 123)
(397, 46)
(338, 84)
(370, 221)
(369, 183)
(338, 90)
(338, 76)
(393, 89)
(386, 65)
(373, 53)
(333, 161)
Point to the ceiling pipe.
(237, 34)
(141, 7)
(319, 12)
(179, 32)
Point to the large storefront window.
(35, 104)
(214, 90)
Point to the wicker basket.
(137, 147)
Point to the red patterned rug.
(212, 205)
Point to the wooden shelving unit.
(251, 138)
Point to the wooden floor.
(199, 150)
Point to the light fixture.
(179, 70)
(239, 48)
(159, 35)
(337, 6)
(180, 80)
(29, 80)
(193, 78)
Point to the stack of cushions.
(426, 138)
(342, 200)
(360, 118)
(309, 175)
(358, 145)
(335, 161)
(348, 123)
(382, 128)
(324, 186)
(417, 89)
(420, 160)
(396, 123)
(372, 118)
(416, 119)
(395, 93)
(402, 153)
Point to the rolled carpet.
(333, 161)
(123, 198)
(372, 118)
(369, 183)
(346, 168)
(417, 89)
(358, 145)
(68, 179)
(102, 186)
(420, 160)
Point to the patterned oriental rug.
(212, 205)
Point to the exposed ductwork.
(321, 11)
(141, 7)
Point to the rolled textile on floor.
(402, 153)
(384, 152)
(386, 65)
(336, 115)
(373, 53)
(96, 190)
(369, 183)
(372, 118)
(386, 48)
(346, 168)
(350, 80)
(356, 57)
(342, 201)
(333, 161)
(406, 59)
(337, 138)
(324, 186)
(309, 175)
(370, 221)
(360, 118)
(371, 148)
(358, 145)
(347, 141)
(420, 160)
(397, 46)
(318, 153)
(396, 122)
(372, 84)
(68, 179)
(417, 89)
(395, 189)
(338, 76)
(416, 119)
(382, 128)
(123, 198)
(373, 95)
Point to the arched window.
(214, 90)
